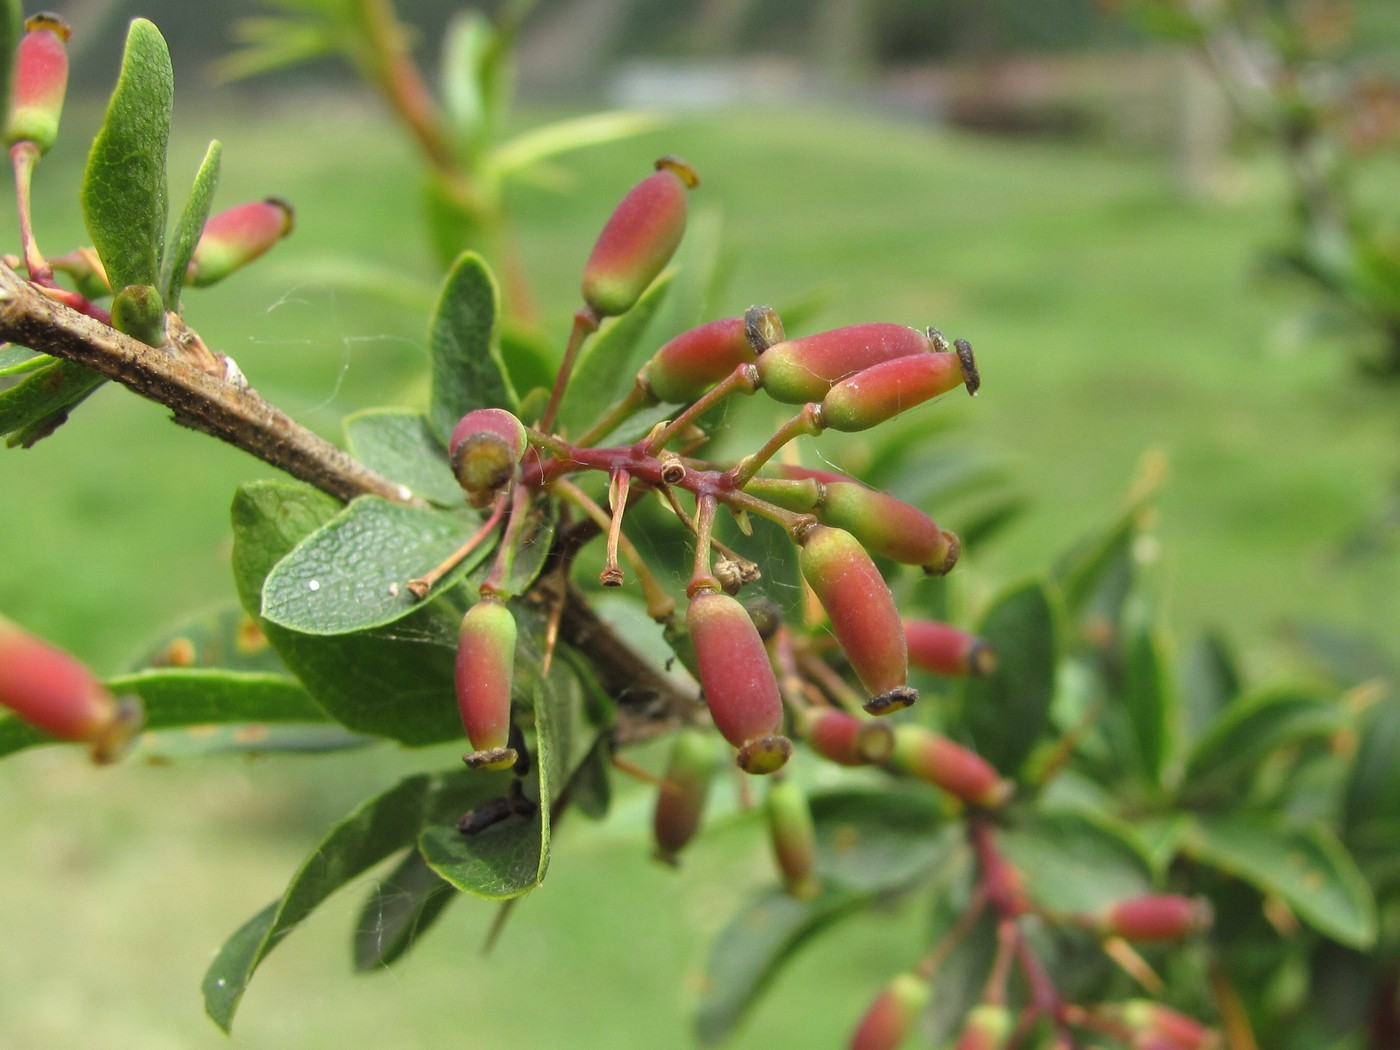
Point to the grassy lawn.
(1111, 318)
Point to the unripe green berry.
(893, 1014)
(922, 753)
(797, 371)
(987, 1027)
(793, 837)
(944, 649)
(40, 82)
(863, 614)
(54, 692)
(737, 677)
(696, 360)
(485, 670)
(485, 447)
(235, 237)
(884, 390)
(638, 240)
(680, 802)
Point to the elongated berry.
(888, 526)
(845, 739)
(639, 239)
(680, 802)
(485, 671)
(55, 692)
(41, 81)
(892, 1016)
(485, 447)
(1148, 1020)
(987, 1027)
(964, 774)
(863, 614)
(793, 837)
(884, 390)
(797, 371)
(696, 360)
(737, 677)
(944, 649)
(235, 237)
(1154, 917)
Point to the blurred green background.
(1115, 315)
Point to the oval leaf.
(399, 910)
(39, 403)
(124, 191)
(878, 840)
(468, 371)
(401, 445)
(1072, 863)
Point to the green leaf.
(376, 830)
(17, 360)
(191, 226)
(535, 543)
(1373, 791)
(469, 36)
(352, 574)
(124, 191)
(402, 446)
(564, 136)
(1096, 575)
(1006, 711)
(879, 840)
(468, 371)
(607, 367)
(395, 681)
(398, 911)
(1246, 733)
(227, 639)
(11, 28)
(1147, 702)
(751, 950)
(496, 863)
(35, 406)
(1209, 680)
(1306, 867)
(1074, 863)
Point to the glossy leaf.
(124, 189)
(395, 681)
(608, 364)
(191, 226)
(1071, 862)
(1006, 711)
(878, 840)
(41, 401)
(755, 946)
(1304, 866)
(1147, 703)
(401, 446)
(352, 574)
(467, 370)
(398, 911)
(376, 830)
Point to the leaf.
(376, 830)
(465, 44)
(227, 639)
(398, 911)
(497, 863)
(1373, 790)
(1306, 867)
(11, 28)
(395, 681)
(878, 840)
(754, 947)
(401, 446)
(607, 367)
(468, 371)
(41, 401)
(16, 360)
(191, 226)
(1006, 711)
(1147, 700)
(124, 191)
(352, 573)
(207, 741)
(1074, 863)
(1209, 680)
(564, 136)
(534, 545)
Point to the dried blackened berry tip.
(764, 754)
(673, 471)
(938, 342)
(53, 23)
(972, 379)
(763, 328)
(896, 699)
(680, 169)
(491, 759)
(611, 577)
(671, 860)
(289, 214)
(981, 659)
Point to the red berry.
(800, 370)
(235, 237)
(845, 739)
(987, 1027)
(891, 1017)
(485, 447)
(1155, 917)
(40, 82)
(884, 390)
(943, 649)
(681, 799)
(696, 360)
(922, 753)
(484, 674)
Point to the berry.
(922, 753)
(890, 1018)
(793, 837)
(235, 237)
(943, 649)
(485, 447)
(696, 360)
(1155, 917)
(681, 800)
(797, 371)
(484, 672)
(40, 82)
(884, 390)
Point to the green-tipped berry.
(737, 677)
(1154, 917)
(845, 739)
(793, 836)
(987, 1027)
(681, 799)
(54, 692)
(891, 1017)
(888, 526)
(797, 371)
(485, 670)
(639, 239)
(863, 614)
(1155, 1025)
(882, 391)
(234, 238)
(41, 81)
(943, 649)
(696, 360)
(485, 447)
(922, 753)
